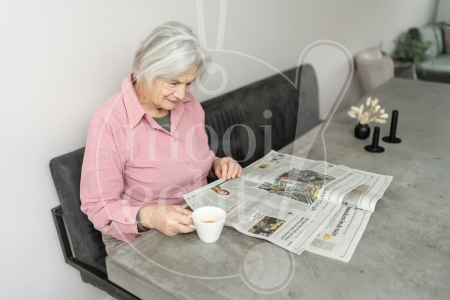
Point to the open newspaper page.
(284, 199)
(258, 213)
(339, 238)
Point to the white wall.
(61, 59)
(443, 11)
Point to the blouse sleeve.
(102, 185)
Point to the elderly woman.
(147, 145)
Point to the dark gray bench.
(294, 110)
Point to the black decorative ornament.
(392, 138)
(374, 148)
(362, 131)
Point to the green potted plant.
(410, 52)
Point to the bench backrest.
(291, 110)
(86, 241)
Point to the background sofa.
(289, 110)
(438, 68)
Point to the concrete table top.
(403, 254)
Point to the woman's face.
(166, 94)
(220, 191)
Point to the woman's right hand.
(169, 219)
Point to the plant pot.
(405, 70)
(362, 132)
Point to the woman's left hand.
(227, 168)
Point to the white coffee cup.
(208, 222)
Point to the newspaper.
(297, 204)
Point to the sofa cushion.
(446, 34)
(437, 69)
(432, 33)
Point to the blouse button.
(192, 183)
(126, 219)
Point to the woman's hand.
(169, 219)
(227, 168)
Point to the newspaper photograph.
(292, 201)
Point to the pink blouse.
(131, 162)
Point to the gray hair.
(168, 52)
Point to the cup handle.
(190, 225)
